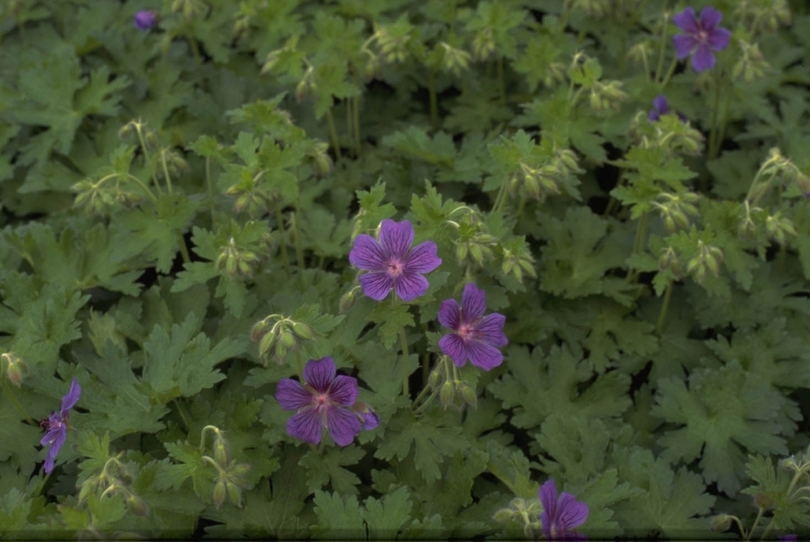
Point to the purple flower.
(392, 263)
(661, 107)
(57, 425)
(325, 400)
(474, 336)
(146, 19)
(788, 538)
(700, 37)
(560, 516)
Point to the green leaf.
(387, 516)
(392, 319)
(670, 500)
(372, 209)
(187, 463)
(416, 143)
(431, 443)
(554, 381)
(338, 516)
(512, 468)
(722, 412)
(179, 364)
(328, 467)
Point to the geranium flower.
(474, 336)
(146, 19)
(700, 37)
(392, 263)
(560, 516)
(57, 425)
(324, 400)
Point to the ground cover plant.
(404, 269)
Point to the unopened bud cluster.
(675, 209)
(115, 478)
(763, 16)
(277, 335)
(236, 261)
(751, 65)
(779, 172)
(517, 259)
(229, 479)
(453, 391)
(521, 514)
(707, 259)
(474, 244)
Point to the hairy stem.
(333, 133)
(283, 244)
(659, 326)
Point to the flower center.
(394, 267)
(465, 332)
(703, 35)
(322, 400)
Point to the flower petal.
(370, 420)
(719, 38)
(548, 498)
(72, 397)
(422, 259)
(570, 513)
(291, 395)
(344, 390)
(320, 373)
(484, 355)
(452, 345)
(396, 237)
(661, 104)
(449, 314)
(343, 425)
(686, 21)
(653, 115)
(709, 18)
(473, 303)
(684, 44)
(409, 286)
(306, 425)
(703, 59)
(376, 285)
(53, 451)
(55, 429)
(490, 329)
(367, 253)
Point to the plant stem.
(659, 326)
(299, 249)
(500, 198)
(333, 133)
(661, 51)
(403, 339)
(713, 133)
(182, 413)
(356, 113)
(166, 171)
(183, 248)
(14, 402)
(283, 244)
(434, 102)
(669, 73)
(501, 80)
(427, 401)
(210, 185)
(638, 243)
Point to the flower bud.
(221, 451)
(347, 301)
(267, 343)
(504, 515)
(721, 523)
(234, 494)
(303, 331)
(136, 505)
(433, 379)
(468, 394)
(281, 351)
(447, 394)
(287, 339)
(16, 371)
(219, 493)
(239, 469)
(763, 501)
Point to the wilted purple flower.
(57, 425)
(474, 336)
(700, 37)
(324, 400)
(560, 516)
(145, 19)
(392, 263)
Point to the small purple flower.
(324, 400)
(700, 37)
(392, 263)
(57, 425)
(661, 107)
(560, 516)
(145, 19)
(788, 538)
(474, 336)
